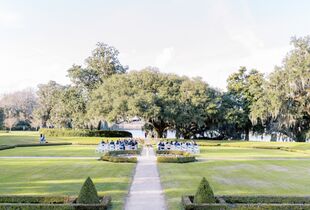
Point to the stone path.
(146, 192)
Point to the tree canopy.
(103, 90)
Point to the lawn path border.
(146, 192)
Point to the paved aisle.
(145, 191)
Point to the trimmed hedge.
(188, 204)
(50, 203)
(204, 199)
(85, 133)
(124, 152)
(115, 156)
(88, 193)
(4, 147)
(35, 199)
(173, 156)
(266, 199)
(204, 193)
(167, 159)
(119, 159)
(42, 145)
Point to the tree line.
(103, 90)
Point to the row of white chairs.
(194, 149)
(101, 148)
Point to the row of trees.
(104, 90)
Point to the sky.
(41, 39)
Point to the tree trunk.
(99, 125)
(160, 132)
(300, 136)
(247, 134)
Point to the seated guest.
(122, 146)
(42, 139)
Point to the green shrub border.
(301, 203)
(42, 145)
(84, 133)
(183, 157)
(266, 199)
(5, 147)
(113, 156)
(50, 203)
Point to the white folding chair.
(178, 148)
(117, 147)
(111, 147)
(196, 149)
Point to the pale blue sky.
(41, 39)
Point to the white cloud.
(164, 57)
(10, 19)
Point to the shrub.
(266, 199)
(173, 156)
(118, 159)
(35, 199)
(260, 202)
(4, 147)
(204, 193)
(88, 193)
(114, 156)
(26, 202)
(43, 145)
(175, 159)
(81, 132)
(124, 152)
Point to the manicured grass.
(248, 177)
(299, 146)
(60, 176)
(66, 151)
(305, 147)
(64, 177)
(26, 137)
(19, 138)
(236, 152)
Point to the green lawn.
(282, 173)
(301, 146)
(26, 137)
(66, 151)
(249, 177)
(64, 177)
(236, 152)
(227, 175)
(60, 176)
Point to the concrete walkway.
(146, 192)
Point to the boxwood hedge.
(50, 203)
(4, 147)
(35, 199)
(83, 132)
(172, 156)
(119, 156)
(188, 204)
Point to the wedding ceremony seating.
(188, 146)
(126, 144)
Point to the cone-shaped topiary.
(204, 193)
(88, 193)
